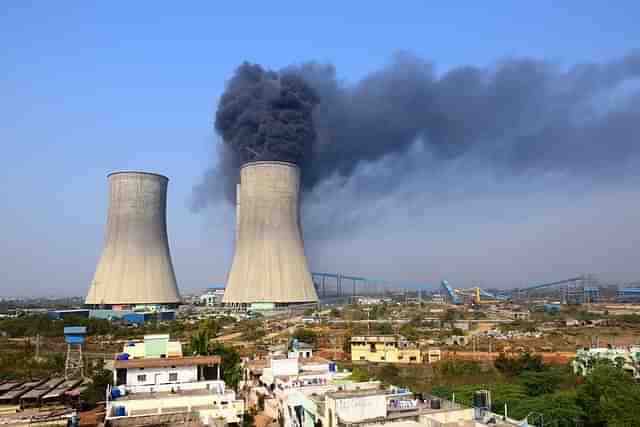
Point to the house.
(628, 358)
(434, 355)
(300, 350)
(361, 405)
(384, 348)
(156, 384)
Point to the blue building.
(628, 295)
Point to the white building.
(212, 297)
(155, 384)
(300, 350)
(367, 404)
(626, 357)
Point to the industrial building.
(384, 348)
(628, 295)
(135, 273)
(212, 297)
(269, 268)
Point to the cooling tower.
(135, 266)
(269, 264)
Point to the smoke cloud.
(519, 117)
(264, 115)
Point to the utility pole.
(38, 347)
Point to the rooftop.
(178, 392)
(166, 362)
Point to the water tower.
(74, 336)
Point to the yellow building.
(384, 348)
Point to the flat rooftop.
(166, 362)
(176, 393)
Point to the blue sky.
(88, 88)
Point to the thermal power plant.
(135, 273)
(269, 266)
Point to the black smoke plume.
(520, 116)
(264, 115)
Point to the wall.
(185, 374)
(284, 367)
(447, 416)
(355, 409)
(214, 405)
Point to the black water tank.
(435, 403)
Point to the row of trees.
(31, 325)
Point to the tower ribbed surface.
(269, 264)
(135, 266)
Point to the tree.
(515, 366)
(230, 366)
(389, 373)
(559, 408)
(610, 397)
(409, 332)
(97, 388)
(199, 343)
(385, 328)
(305, 335)
(540, 382)
(249, 418)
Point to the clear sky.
(90, 87)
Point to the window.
(382, 358)
(173, 376)
(142, 378)
(412, 358)
(400, 357)
(363, 358)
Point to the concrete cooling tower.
(269, 265)
(135, 267)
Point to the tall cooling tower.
(135, 266)
(269, 264)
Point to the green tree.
(559, 408)
(515, 366)
(540, 382)
(610, 397)
(199, 344)
(409, 332)
(97, 388)
(249, 418)
(384, 328)
(306, 335)
(230, 366)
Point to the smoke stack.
(269, 264)
(135, 266)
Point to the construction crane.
(453, 297)
(483, 297)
